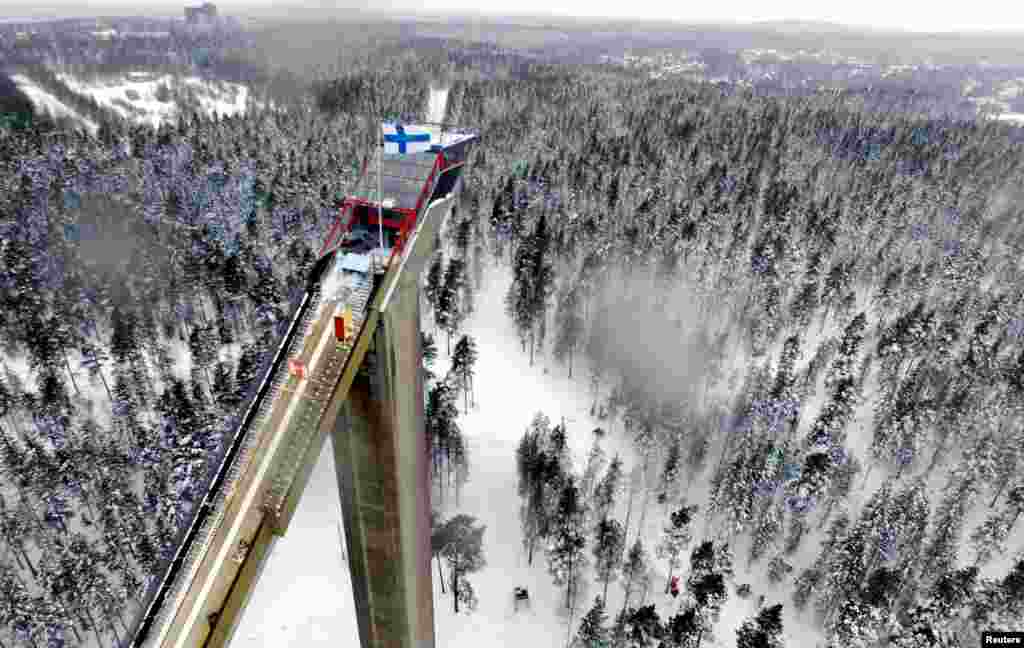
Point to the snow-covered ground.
(1015, 117)
(134, 96)
(140, 90)
(437, 104)
(304, 595)
(45, 101)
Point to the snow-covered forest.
(799, 323)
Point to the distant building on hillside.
(207, 13)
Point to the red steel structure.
(448, 159)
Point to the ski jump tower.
(349, 366)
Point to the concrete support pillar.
(380, 454)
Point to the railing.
(428, 186)
(217, 490)
(407, 225)
(348, 225)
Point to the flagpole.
(380, 190)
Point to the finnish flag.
(401, 140)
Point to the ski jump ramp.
(366, 391)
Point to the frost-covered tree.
(989, 538)
(246, 370)
(778, 569)
(607, 489)
(593, 633)
(595, 464)
(675, 537)
(435, 281)
(532, 285)
(462, 368)
(939, 553)
(609, 543)
(635, 572)
(811, 581)
(669, 483)
(568, 325)
(449, 311)
(767, 531)
(763, 631)
(441, 426)
(540, 478)
(464, 553)
(566, 559)
(638, 627)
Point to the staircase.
(305, 422)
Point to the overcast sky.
(914, 15)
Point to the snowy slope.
(1013, 117)
(45, 101)
(134, 96)
(304, 595)
(437, 105)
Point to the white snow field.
(304, 596)
(1012, 117)
(46, 101)
(133, 96)
(438, 103)
(139, 91)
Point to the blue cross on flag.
(403, 141)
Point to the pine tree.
(569, 325)
(440, 414)
(528, 454)
(595, 464)
(464, 553)
(449, 313)
(245, 372)
(202, 344)
(683, 629)
(670, 475)
(463, 235)
(988, 539)
(607, 489)
(463, 361)
(939, 555)
(639, 627)
(224, 390)
(592, 632)
(676, 537)
(844, 365)
(438, 541)
(540, 480)
(459, 462)
(763, 631)
(532, 284)
(635, 571)
(610, 541)
(778, 569)
(435, 281)
(565, 553)
(766, 533)
(709, 569)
